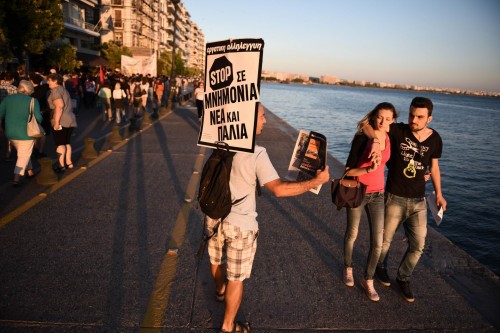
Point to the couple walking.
(411, 152)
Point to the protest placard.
(232, 85)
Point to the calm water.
(470, 164)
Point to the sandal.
(59, 169)
(69, 166)
(239, 327)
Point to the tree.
(180, 67)
(193, 71)
(28, 25)
(5, 52)
(164, 63)
(113, 52)
(62, 55)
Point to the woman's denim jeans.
(373, 204)
(412, 212)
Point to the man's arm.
(376, 151)
(436, 181)
(288, 189)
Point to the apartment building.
(148, 26)
(81, 29)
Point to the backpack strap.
(206, 237)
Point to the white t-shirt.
(199, 94)
(246, 168)
(119, 94)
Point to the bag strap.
(205, 237)
(345, 174)
(32, 106)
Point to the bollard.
(47, 176)
(115, 134)
(146, 119)
(89, 152)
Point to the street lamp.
(172, 74)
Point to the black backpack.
(214, 195)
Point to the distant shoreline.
(444, 91)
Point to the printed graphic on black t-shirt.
(413, 152)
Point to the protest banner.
(232, 86)
(139, 65)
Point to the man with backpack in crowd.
(233, 245)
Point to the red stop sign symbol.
(221, 73)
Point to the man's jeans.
(373, 204)
(412, 212)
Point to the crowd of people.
(58, 98)
(410, 151)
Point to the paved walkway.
(111, 248)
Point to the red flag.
(101, 75)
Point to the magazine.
(309, 155)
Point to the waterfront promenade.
(111, 248)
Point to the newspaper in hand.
(437, 212)
(309, 155)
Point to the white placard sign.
(232, 85)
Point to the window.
(119, 38)
(118, 22)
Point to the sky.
(431, 43)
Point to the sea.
(470, 162)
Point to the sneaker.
(405, 290)
(382, 277)
(347, 277)
(370, 290)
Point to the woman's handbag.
(35, 130)
(347, 192)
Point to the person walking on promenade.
(15, 112)
(41, 91)
(371, 174)
(159, 89)
(7, 88)
(120, 103)
(89, 92)
(136, 99)
(199, 95)
(105, 98)
(144, 85)
(415, 149)
(75, 80)
(166, 91)
(232, 249)
(63, 121)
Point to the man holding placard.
(233, 114)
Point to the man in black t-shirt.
(415, 150)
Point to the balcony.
(81, 26)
